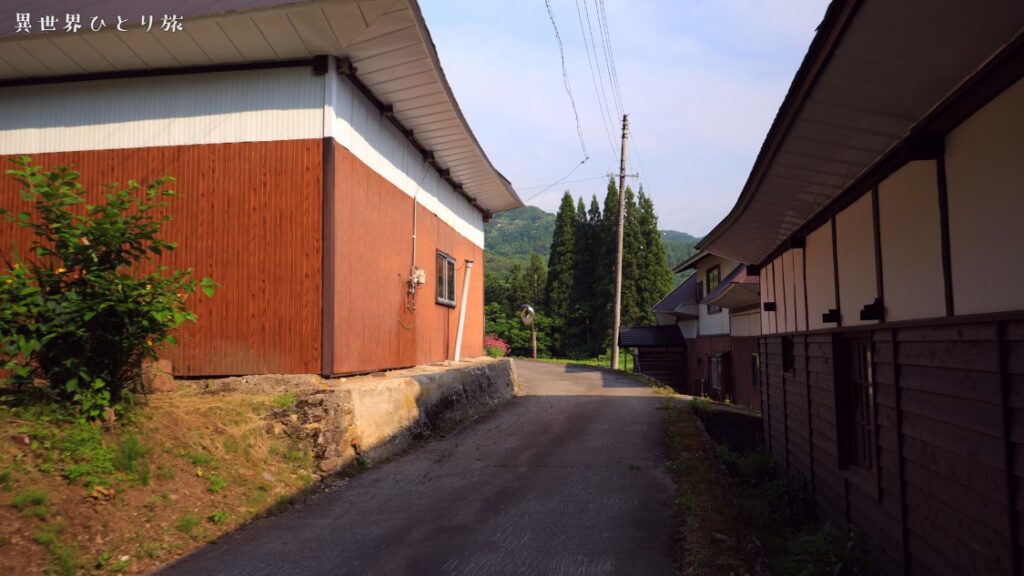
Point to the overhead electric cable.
(559, 181)
(568, 86)
(587, 42)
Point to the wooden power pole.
(617, 322)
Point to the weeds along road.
(569, 478)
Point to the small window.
(445, 279)
(788, 354)
(714, 276)
(855, 402)
(718, 371)
(755, 360)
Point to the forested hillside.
(555, 263)
(513, 235)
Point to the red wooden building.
(883, 213)
(321, 159)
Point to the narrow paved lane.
(568, 478)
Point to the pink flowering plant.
(495, 346)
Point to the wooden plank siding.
(745, 391)
(373, 230)
(946, 492)
(249, 216)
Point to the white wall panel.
(745, 324)
(789, 289)
(718, 322)
(768, 295)
(911, 238)
(855, 257)
(821, 286)
(213, 108)
(688, 328)
(360, 127)
(985, 184)
(779, 292)
(799, 290)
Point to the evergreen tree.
(517, 290)
(656, 279)
(560, 272)
(597, 257)
(536, 280)
(604, 264)
(579, 330)
(632, 264)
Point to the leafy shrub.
(82, 310)
(495, 346)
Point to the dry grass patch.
(188, 467)
(708, 537)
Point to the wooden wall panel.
(248, 215)
(945, 493)
(745, 390)
(373, 327)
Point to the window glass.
(451, 281)
(714, 276)
(440, 265)
(855, 402)
(445, 266)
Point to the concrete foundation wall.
(370, 418)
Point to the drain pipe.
(462, 310)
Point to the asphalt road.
(568, 478)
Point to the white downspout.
(462, 310)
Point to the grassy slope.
(189, 467)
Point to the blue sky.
(700, 79)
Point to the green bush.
(84, 307)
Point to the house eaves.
(875, 73)
(386, 43)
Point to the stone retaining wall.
(372, 418)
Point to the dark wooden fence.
(942, 492)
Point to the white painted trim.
(363, 131)
(226, 107)
(211, 108)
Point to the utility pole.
(618, 243)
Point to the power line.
(587, 42)
(565, 78)
(578, 180)
(606, 42)
(559, 181)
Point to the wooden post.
(617, 321)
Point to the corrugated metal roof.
(386, 40)
(651, 336)
(875, 69)
(685, 293)
(736, 290)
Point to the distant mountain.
(513, 235)
(678, 245)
